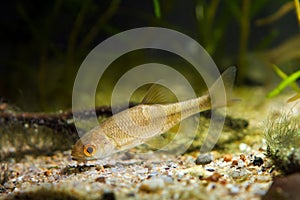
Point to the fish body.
(135, 126)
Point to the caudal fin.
(221, 91)
(220, 95)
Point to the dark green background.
(44, 42)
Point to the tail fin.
(221, 91)
(220, 94)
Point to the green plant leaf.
(157, 10)
(284, 76)
(284, 83)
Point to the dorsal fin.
(158, 94)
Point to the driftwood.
(37, 133)
(61, 121)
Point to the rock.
(100, 179)
(258, 161)
(227, 157)
(152, 185)
(204, 159)
(284, 188)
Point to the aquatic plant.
(282, 136)
(156, 6)
(297, 7)
(287, 81)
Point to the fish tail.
(221, 91)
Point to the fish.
(141, 123)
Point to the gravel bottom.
(240, 171)
(245, 175)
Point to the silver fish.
(138, 124)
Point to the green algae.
(282, 136)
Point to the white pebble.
(244, 147)
(233, 189)
(241, 163)
(180, 174)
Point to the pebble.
(101, 179)
(258, 161)
(243, 157)
(243, 147)
(210, 169)
(152, 185)
(204, 159)
(214, 178)
(150, 179)
(167, 179)
(227, 157)
(233, 189)
(195, 171)
(238, 173)
(241, 163)
(234, 163)
(180, 174)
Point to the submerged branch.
(56, 121)
(29, 133)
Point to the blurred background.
(43, 43)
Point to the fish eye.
(89, 150)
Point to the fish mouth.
(76, 158)
(79, 158)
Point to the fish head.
(94, 145)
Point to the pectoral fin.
(157, 142)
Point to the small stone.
(235, 174)
(204, 159)
(243, 147)
(167, 179)
(240, 174)
(210, 169)
(234, 189)
(101, 179)
(152, 185)
(195, 171)
(2, 189)
(241, 163)
(258, 161)
(243, 157)
(227, 157)
(214, 178)
(47, 173)
(180, 174)
(234, 163)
